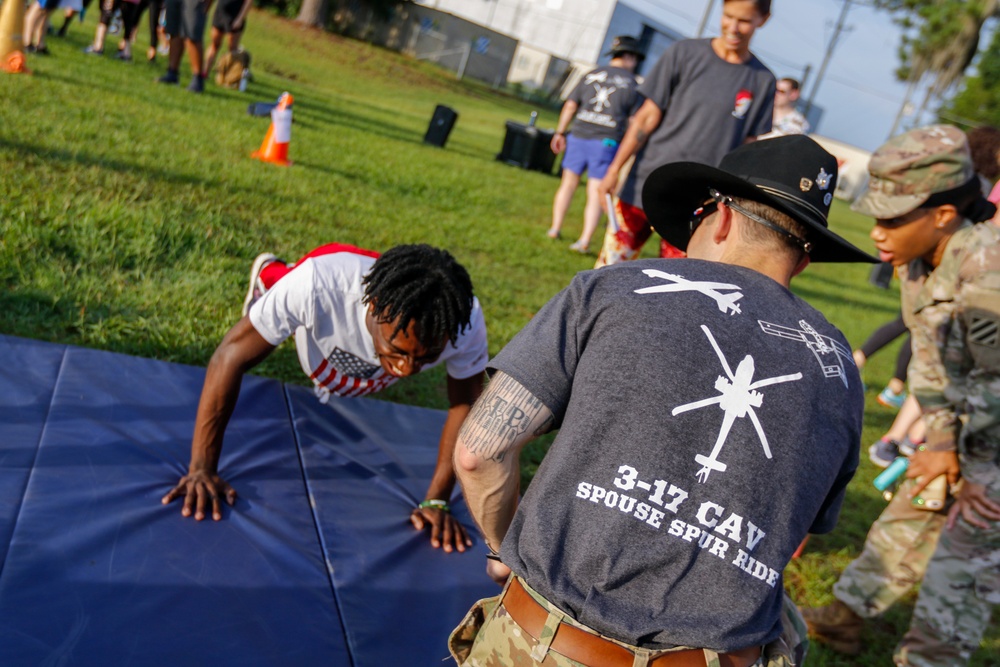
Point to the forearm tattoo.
(641, 136)
(500, 419)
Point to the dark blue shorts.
(48, 4)
(589, 155)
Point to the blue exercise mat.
(28, 372)
(316, 564)
(378, 458)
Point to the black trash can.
(527, 146)
(441, 123)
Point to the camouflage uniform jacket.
(953, 313)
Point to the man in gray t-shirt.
(704, 97)
(709, 419)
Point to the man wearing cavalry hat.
(709, 419)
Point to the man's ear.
(723, 226)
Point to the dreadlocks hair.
(421, 284)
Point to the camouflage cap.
(906, 170)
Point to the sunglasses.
(708, 208)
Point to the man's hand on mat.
(199, 489)
(446, 531)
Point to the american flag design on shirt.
(346, 374)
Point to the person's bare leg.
(213, 49)
(918, 432)
(562, 200)
(591, 212)
(67, 19)
(908, 414)
(34, 26)
(100, 33)
(196, 53)
(896, 386)
(234, 41)
(176, 53)
(30, 17)
(42, 29)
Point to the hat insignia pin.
(823, 179)
(805, 184)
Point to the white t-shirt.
(320, 301)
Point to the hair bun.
(980, 210)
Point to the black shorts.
(225, 13)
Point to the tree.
(978, 99)
(940, 41)
(317, 12)
(313, 13)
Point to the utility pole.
(704, 18)
(829, 54)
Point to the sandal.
(580, 247)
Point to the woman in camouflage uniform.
(925, 196)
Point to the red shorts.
(626, 234)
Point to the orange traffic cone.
(11, 42)
(275, 146)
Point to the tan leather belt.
(595, 651)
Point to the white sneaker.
(256, 288)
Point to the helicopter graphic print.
(737, 398)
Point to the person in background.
(704, 97)
(36, 21)
(229, 19)
(787, 118)
(894, 392)
(984, 144)
(158, 38)
(185, 23)
(73, 9)
(131, 12)
(597, 112)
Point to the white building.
(576, 31)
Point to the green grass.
(130, 213)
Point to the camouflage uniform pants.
(961, 586)
(489, 637)
(895, 556)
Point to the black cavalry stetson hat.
(792, 174)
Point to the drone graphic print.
(737, 399)
(726, 296)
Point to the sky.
(859, 92)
